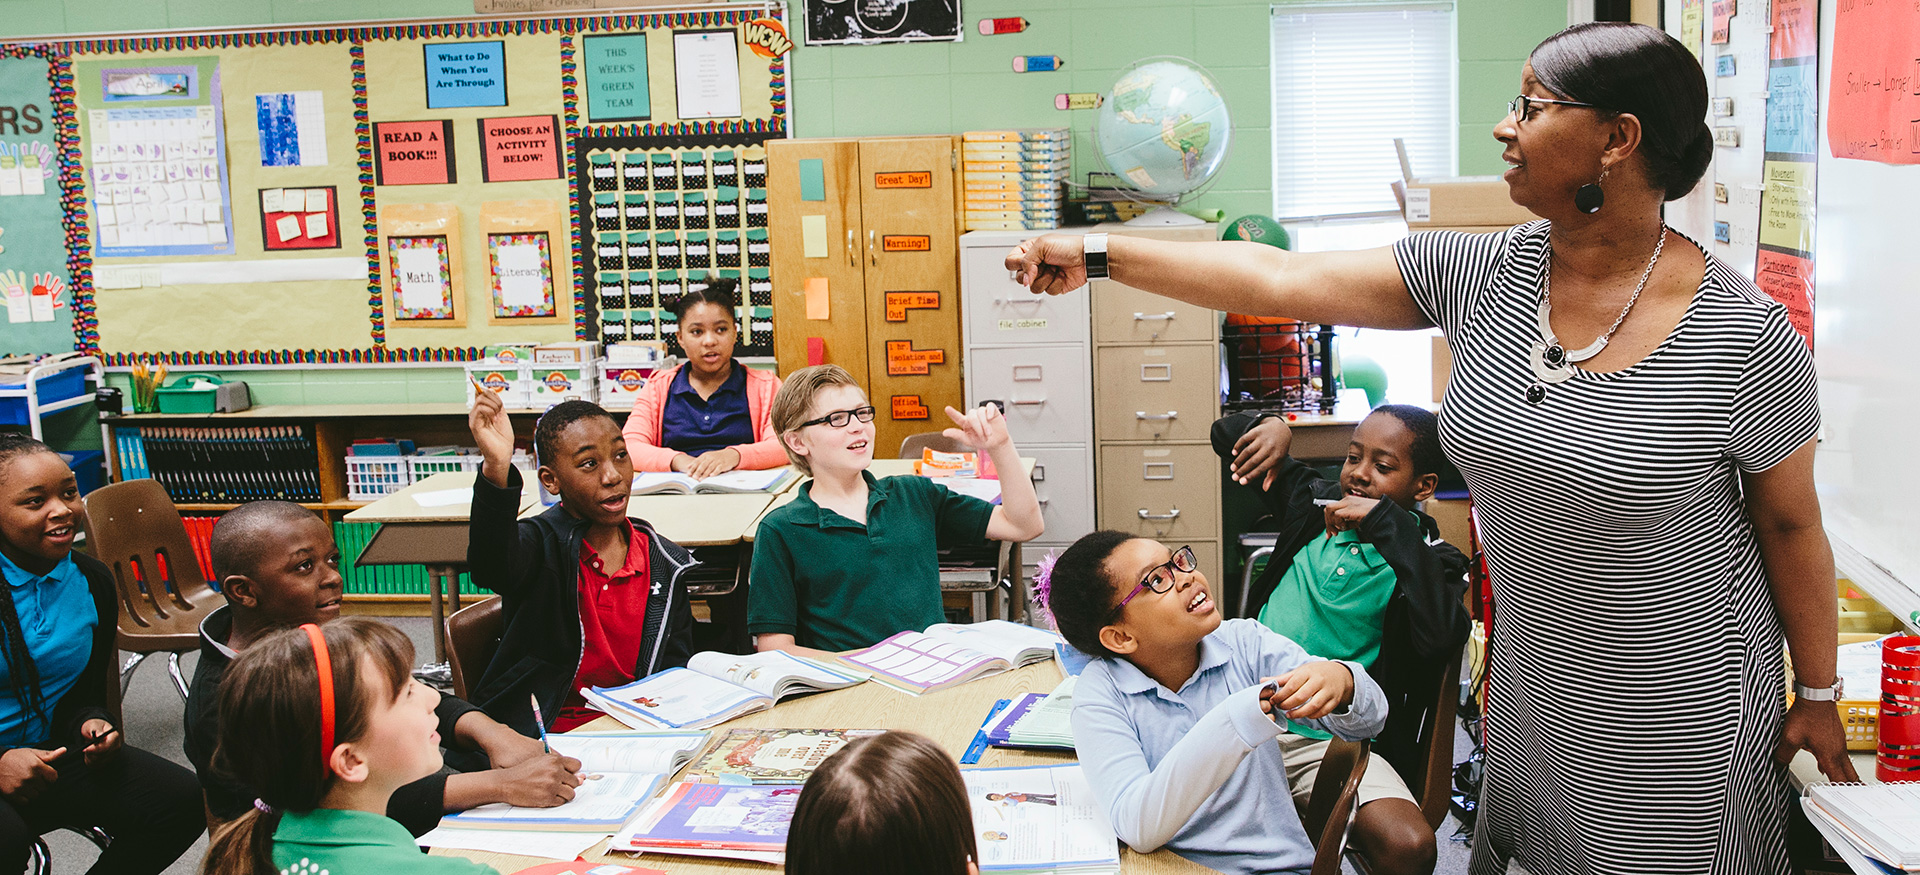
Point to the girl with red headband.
(327, 723)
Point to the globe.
(1163, 128)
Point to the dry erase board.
(232, 196)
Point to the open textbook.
(769, 756)
(671, 483)
(1039, 819)
(618, 771)
(747, 823)
(715, 688)
(948, 654)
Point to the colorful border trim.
(73, 201)
(375, 355)
(363, 163)
(576, 210)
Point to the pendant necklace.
(1552, 362)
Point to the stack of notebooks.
(1873, 827)
(1013, 179)
(227, 464)
(1037, 721)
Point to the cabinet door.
(836, 223)
(908, 243)
(1156, 393)
(1043, 388)
(1171, 493)
(1001, 311)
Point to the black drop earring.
(1591, 197)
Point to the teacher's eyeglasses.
(1160, 578)
(840, 418)
(1520, 107)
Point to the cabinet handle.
(1166, 373)
(1037, 371)
(1039, 473)
(1143, 415)
(852, 259)
(1146, 471)
(1143, 317)
(872, 257)
(1030, 401)
(1034, 300)
(1171, 514)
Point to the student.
(1365, 579)
(590, 597)
(1176, 715)
(853, 559)
(328, 723)
(63, 760)
(278, 568)
(708, 416)
(887, 804)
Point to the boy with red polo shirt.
(590, 597)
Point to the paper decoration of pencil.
(1013, 179)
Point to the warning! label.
(898, 303)
(904, 179)
(903, 360)
(905, 243)
(909, 407)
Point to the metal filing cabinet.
(1156, 379)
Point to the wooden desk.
(950, 717)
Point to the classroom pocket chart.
(159, 181)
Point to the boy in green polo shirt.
(853, 558)
(1359, 574)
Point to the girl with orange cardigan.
(708, 416)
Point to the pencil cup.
(1899, 758)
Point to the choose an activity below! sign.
(527, 147)
(413, 153)
(909, 407)
(903, 360)
(898, 303)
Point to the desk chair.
(1433, 786)
(1331, 807)
(137, 532)
(473, 634)
(912, 445)
(40, 858)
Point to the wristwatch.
(1818, 694)
(1095, 255)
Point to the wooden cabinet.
(866, 271)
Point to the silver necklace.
(1552, 362)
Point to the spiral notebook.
(1883, 820)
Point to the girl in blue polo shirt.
(62, 757)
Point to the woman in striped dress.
(1636, 423)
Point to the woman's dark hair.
(23, 675)
(1637, 69)
(1081, 593)
(723, 293)
(888, 804)
(270, 726)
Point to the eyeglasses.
(1159, 578)
(840, 418)
(1521, 105)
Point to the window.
(1347, 80)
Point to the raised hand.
(493, 433)
(981, 428)
(1053, 264)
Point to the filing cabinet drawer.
(1164, 492)
(1063, 481)
(1123, 314)
(1000, 311)
(1044, 389)
(1156, 393)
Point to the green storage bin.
(176, 397)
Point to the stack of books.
(1013, 179)
(227, 464)
(1036, 720)
(1872, 827)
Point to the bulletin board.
(387, 191)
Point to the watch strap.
(1094, 255)
(1818, 694)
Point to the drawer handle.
(1143, 415)
(1037, 373)
(1169, 515)
(1033, 300)
(1142, 317)
(1039, 473)
(1166, 373)
(1029, 400)
(1146, 471)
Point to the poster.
(1783, 263)
(413, 153)
(835, 22)
(616, 68)
(157, 144)
(1874, 100)
(299, 218)
(522, 269)
(466, 74)
(706, 74)
(524, 147)
(33, 253)
(422, 277)
(1692, 16)
(293, 129)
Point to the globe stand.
(1162, 217)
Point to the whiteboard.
(1867, 347)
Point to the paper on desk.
(444, 497)
(526, 843)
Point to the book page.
(603, 800)
(662, 483)
(715, 815)
(1038, 818)
(1886, 816)
(678, 697)
(765, 673)
(918, 660)
(744, 481)
(996, 638)
(627, 751)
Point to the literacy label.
(413, 153)
(904, 179)
(909, 407)
(906, 243)
(898, 303)
(903, 360)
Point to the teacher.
(710, 415)
(1636, 424)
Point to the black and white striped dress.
(1636, 681)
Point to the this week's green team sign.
(616, 68)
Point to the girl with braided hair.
(63, 761)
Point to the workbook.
(949, 654)
(672, 483)
(1039, 819)
(747, 823)
(1040, 721)
(715, 688)
(769, 756)
(618, 770)
(1883, 820)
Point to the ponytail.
(244, 846)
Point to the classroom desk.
(950, 717)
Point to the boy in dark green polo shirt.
(853, 558)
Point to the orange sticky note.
(817, 303)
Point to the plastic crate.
(422, 467)
(1277, 364)
(370, 478)
(58, 386)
